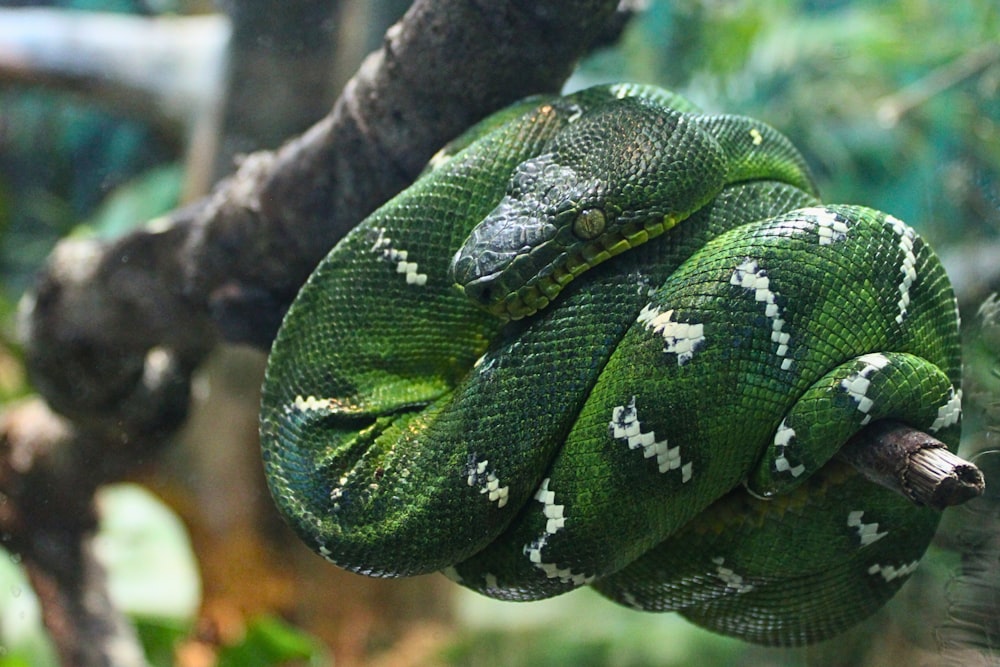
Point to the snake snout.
(471, 265)
(500, 254)
(485, 291)
(476, 275)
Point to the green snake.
(607, 339)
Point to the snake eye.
(589, 224)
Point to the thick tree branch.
(231, 263)
(446, 65)
(113, 331)
(48, 474)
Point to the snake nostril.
(480, 291)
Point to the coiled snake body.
(660, 425)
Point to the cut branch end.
(913, 464)
(942, 479)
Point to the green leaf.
(143, 198)
(22, 639)
(152, 571)
(271, 641)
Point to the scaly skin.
(605, 185)
(622, 433)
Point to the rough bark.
(913, 464)
(113, 331)
(48, 474)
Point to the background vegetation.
(895, 104)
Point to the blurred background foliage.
(896, 105)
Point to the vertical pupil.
(589, 224)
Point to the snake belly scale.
(606, 339)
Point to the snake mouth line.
(546, 285)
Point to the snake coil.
(658, 341)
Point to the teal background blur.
(896, 105)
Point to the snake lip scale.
(545, 285)
(696, 330)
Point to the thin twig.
(166, 69)
(891, 108)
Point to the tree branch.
(913, 464)
(48, 474)
(113, 331)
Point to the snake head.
(614, 178)
(527, 233)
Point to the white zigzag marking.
(857, 384)
(729, 577)
(750, 277)
(908, 265)
(409, 270)
(682, 338)
(625, 427)
(782, 438)
(489, 484)
(311, 404)
(867, 532)
(890, 572)
(949, 413)
(555, 521)
(830, 227)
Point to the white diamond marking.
(681, 338)
(750, 276)
(625, 426)
(857, 384)
(867, 532)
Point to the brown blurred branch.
(48, 474)
(112, 332)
